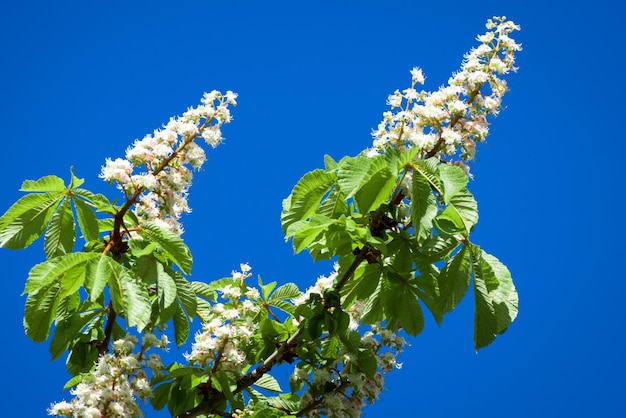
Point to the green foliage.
(416, 217)
(47, 208)
(398, 226)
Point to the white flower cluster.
(354, 390)
(224, 339)
(118, 379)
(454, 117)
(322, 284)
(167, 158)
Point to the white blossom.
(165, 159)
(451, 120)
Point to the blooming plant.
(396, 219)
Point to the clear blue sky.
(80, 80)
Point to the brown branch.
(103, 346)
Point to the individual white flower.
(417, 77)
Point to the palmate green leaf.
(44, 184)
(281, 298)
(423, 208)
(453, 179)
(53, 270)
(495, 297)
(305, 197)
(26, 219)
(39, 311)
(129, 296)
(87, 220)
(171, 244)
(61, 232)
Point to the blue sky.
(79, 81)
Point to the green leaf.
(99, 200)
(495, 297)
(268, 382)
(375, 191)
(281, 298)
(429, 170)
(367, 362)
(291, 405)
(305, 197)
(44, 184)
(334, 205)
(86, 220)
(181, 326)
(449, 224)
(73, 382)
(354, 172)
(453, 179)
(286, 291)
(409, 312)
(465, 205)
(75, 181)
(305, 232)
(129, 296)
(204, 290)
(26, 219)
(39, 311)
(170, 243)
(184, 294)
(160, 395)
(266, 289)
(373, 305)
(99, 272)
(423, 208)
(49, 271)
(68, 330)
(61, 232)
(82, 357)
(329, 163)
(454, 280)
(166, 288)
(362, 285)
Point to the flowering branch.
(402, 207)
